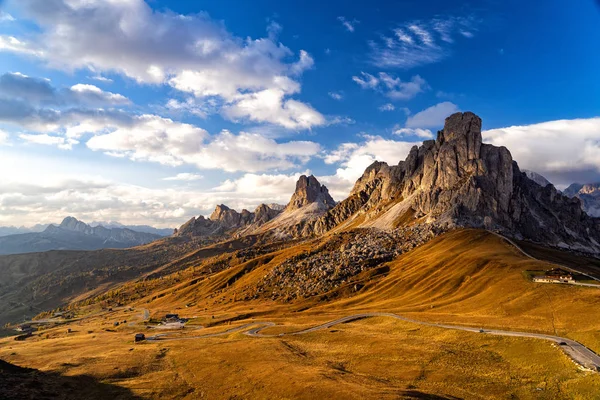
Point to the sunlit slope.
(469, 277)
(474, 277)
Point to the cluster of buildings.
(556, 275)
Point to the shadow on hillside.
(26, 383)
(416, 395)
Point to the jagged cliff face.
(310, 201)
(457, 180)
(226, 220)
(589, 194)
(310, 191)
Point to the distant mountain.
(73, 234)
(537, 178)
(137, 228)
(13, 230)
(589, 194)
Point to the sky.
(151, 112)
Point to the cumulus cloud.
(191, 53)
(161, 140)
(353, 158)
(564, 151)
(392, 86)
(270, 106)
(261, 188)
(387, 107)
(432, 117)
(420, 42)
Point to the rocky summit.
(225, 220)
(589, 194)
(310, 191)
(453, 181)
(457, 180)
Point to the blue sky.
(152, 112)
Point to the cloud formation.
(191, 53)
(391, 86)
(432, 117)
(164, 141)
(564, 151)
(420, 42)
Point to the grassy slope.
(464, 277)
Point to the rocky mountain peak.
(309, 191)
(456, 180)
(588, 194)
(73, 224)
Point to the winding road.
(578, 352)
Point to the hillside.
(464, 277)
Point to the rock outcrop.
(225, 220)
(456, 180)
(310, 201)
(589, 194)
(308, 192)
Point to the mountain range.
(73, 234)
(450, 183)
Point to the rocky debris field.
(339, 260)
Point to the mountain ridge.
(73, 234)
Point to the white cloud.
(164, 141)
(420, 42)
(432, 117)
(101, 78)
(336, 95)
(564, 151)
(48, 140)
(184, 176)
(407, 132)
(349, 25)
(387, 107)
(191, 53)
(270, 106)
(354, 158)
(262, 187)
(392, 86)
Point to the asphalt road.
(578, 352)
